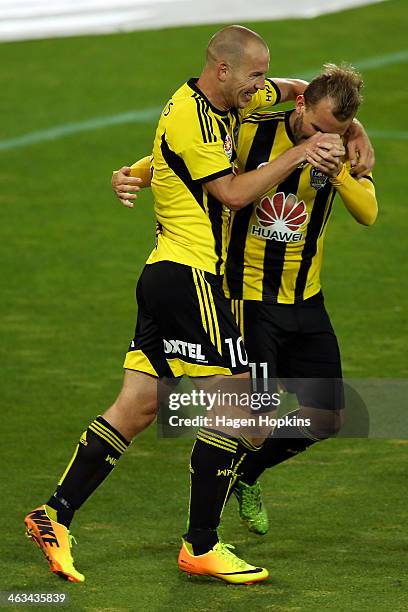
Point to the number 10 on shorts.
(237, 351)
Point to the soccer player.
(180, 299)
(273, 270)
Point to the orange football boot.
(220, 563)
(55, 541)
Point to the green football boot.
(251, 511)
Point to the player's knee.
(340, 420)
(328, 424)
(148, 412)
(141, 410)
(132, 413)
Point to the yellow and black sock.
(212, 462)
(99, 448)
(284, 443)
(242, 458)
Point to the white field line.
(150, 115)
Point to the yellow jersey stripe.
(208, 120)
(265, 262)
(206, 134)
(327, 213)
(261, 117)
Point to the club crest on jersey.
(317, 179)
(228, 146)
(280, 218)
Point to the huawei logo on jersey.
(284, 213)
(280, 218)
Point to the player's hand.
(330, 167)
(360, 150)
(326, 153)
(125, 186)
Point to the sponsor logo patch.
(187, 349)
(280, 218)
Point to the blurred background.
(80, 97)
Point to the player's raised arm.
(290, 88)
(360, 150)
(358, 196)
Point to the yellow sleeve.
(143, 169)
(194, 137)
(206, 162)
(264, 98)
(358, 195)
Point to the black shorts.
(295, 343)
(184, 325)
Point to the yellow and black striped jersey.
(195, 143)
(276, 243)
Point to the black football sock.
(284, 443)
(211, 468)
(99, 448)
(242, 457)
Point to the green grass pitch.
(70, 257)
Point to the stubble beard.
(297, 129)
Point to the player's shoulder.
(181, 102)
(188, 112)
(186, 99)
(272, 91)
(263, 98)
(264, 116)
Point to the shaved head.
(232, 43)
(236, 67)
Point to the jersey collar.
(192, 83)
(287, 126)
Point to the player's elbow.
(228, 190)
(234, 201)
(373, 217)
(369, 217)
(369, 222)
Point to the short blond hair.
(342, 84)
